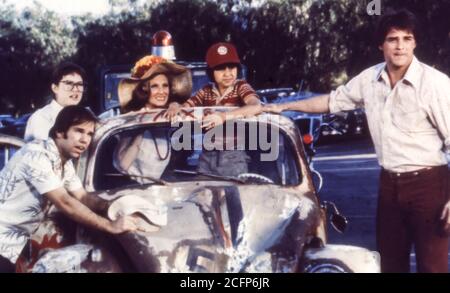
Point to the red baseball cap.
(221, 53)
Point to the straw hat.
(149, 66)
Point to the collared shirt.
(410, 123)
(41, 121)
(235, 95)
(33, 171)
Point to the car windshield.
(160, 153)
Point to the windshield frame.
(115, 125)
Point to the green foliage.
(316, 43)
(194, 25)
(31, 44)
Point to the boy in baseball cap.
(225, 89)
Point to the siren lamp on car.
(308, 139)
(162, 45)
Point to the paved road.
(350, 171)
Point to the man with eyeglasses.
(68, 86)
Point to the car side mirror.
(338, 221)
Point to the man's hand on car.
(273, 108)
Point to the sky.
(68, 7)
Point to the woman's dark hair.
(70, 116)
(140, 95)
(66, 68)
(400, 19)
(210, 71)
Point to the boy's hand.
(172, 111)
(273, 108)
(213, 120)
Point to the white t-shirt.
(33, 171)
(41, 121)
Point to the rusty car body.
(269, 219)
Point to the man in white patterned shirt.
(41, 173)
(408, 110)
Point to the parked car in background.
(14, 127)
(344, 125)
(308, 124)
(267, 219)
(6, 119)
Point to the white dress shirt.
(410, 123)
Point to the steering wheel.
(253, 177)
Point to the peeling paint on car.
(212, 225)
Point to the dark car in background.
(320, 128)
(344, 125)
(6, 119)
(308, 124)
(12, 126)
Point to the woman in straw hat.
(154, 81)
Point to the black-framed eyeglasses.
(69, 86)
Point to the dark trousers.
(409, 209)
(6, 266)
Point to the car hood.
(221, 228)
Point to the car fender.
(341, 258)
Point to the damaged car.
(263, 216)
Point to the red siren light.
(308, 138)
(162, 45)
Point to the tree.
(31, 44)
(319, 44)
